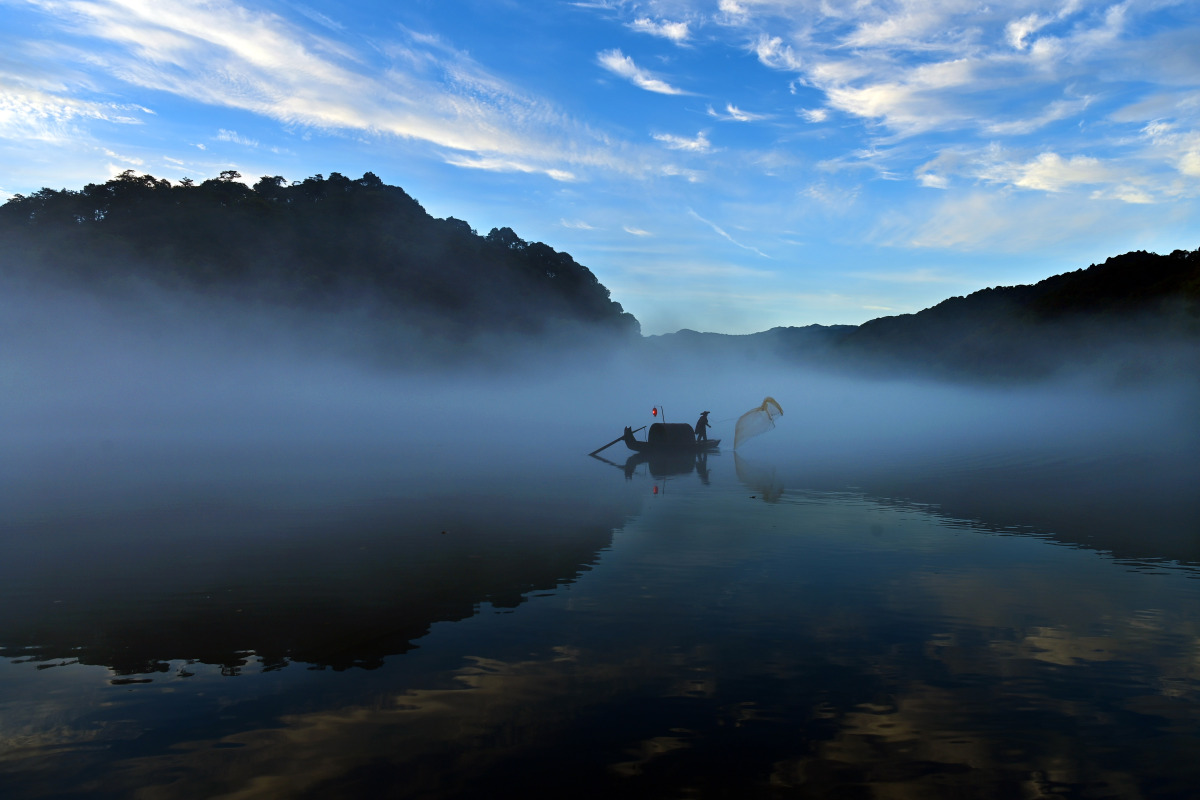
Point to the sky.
(725, 165)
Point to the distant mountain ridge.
(319, 243)
(324, 243)
(1134, 299)
(1141, 303)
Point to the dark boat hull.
(702, 446)
(670, 439)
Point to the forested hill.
(1140, 303)
(321, 242)
(1136, 313)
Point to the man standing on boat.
(701, 427)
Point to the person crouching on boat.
(702, 427)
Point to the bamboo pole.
(614, 441)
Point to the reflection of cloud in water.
(921, 671)
(439, 740)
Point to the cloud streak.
(700, 144)
(226, 55)
(724, 235)
(677, 32)
(623, 66)
(734, 114)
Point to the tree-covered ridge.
(320, 240)
(1136, 299)
(1137, 312)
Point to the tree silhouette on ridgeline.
(327, 242)
(1136, 300)
(1137, 313)
(320, 241)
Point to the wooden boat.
(669, 437)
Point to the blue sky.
(726, 165)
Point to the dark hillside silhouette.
(321, 242)
(1138, 300)
(1135, 314)
(324, 244)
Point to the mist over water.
(193, 490)
(112, 403)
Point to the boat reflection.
(668, 464)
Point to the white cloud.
(700, 144)
(622, 65)
(233, 137)
(914, 23)
(933, 181)
(35, 115)
(772, 52)
(1189, 163)
(735, 114)
(228, 56)
(319, 18)
(506, 165)
(813, 114)
(1021, 29)
(1125, 193)
(635, 231)
(1179, 148)
(1050, 172)
(731, 8)
(1059, 109)
(576, 224)
(923, 98)
(1019, 223)
(675, 31)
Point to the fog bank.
(93, 390)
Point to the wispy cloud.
(1011, 223)
(632, 231)
(772, 52)
(622, 65)
(1050, 172)
(1057, 110)
(724, 235)
(233, 137)
(675, 31)
(33, 114)
(226, 55)
(576, 224)
(506, 165)
(700, 144)
(734, 114)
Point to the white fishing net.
(756, 421)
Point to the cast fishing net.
(756, 421)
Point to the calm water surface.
(331, 624)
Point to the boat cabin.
(671, 433)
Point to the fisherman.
(701, 426)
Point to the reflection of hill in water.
(219, 577)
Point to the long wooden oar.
(614, 441)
